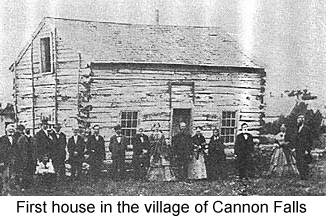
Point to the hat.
(117, 127)
(20, 127)
(44, 121)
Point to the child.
(45, 172)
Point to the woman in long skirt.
(196, 167)
(216, 159)
(283, 162)
(159, 165)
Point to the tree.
(312, 120)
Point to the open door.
(178, 116)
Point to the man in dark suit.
(7, 160)
(243, 150)
(118, 146)
(96, 150)
(27, 159)
(140, 157)
(76, 147)
(18, 166)
(182, 144)
(59, 143)
(302, 145)
(43, 143)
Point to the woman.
(216, 157)
(196, 167)
(282, 161)
(159, 167)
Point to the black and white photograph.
(162, 98)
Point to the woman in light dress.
(197, 167)
(159, 167)
(283, 162)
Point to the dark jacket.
(59, 144)
(118, 149)
(96, 148)
(25, 153)
(244, 148)
(43, 145)
(182, 145)
(138, 145)
(7, 152)
(78, 147)
(303, 141)
(216, 150)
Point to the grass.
(261, 185)
(228, 187)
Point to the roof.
(142, 43)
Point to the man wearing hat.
(118, 146)
(7, 159)
(59, 156)
(302, 144)
(182, 144)
(43, 143)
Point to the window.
(45, 55)
(129, 123)
(228, 129)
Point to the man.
(19, 155)
(76, 147)
(182, 144)
(303, 144)
(43, 143)
(96, 151)
(7, 160)
(118, 146)
(140, 158)
(27, 161)
(59, 156)
(243, 150)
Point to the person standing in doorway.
(182, 145)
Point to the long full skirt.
(197, 167)
(283, 163)
(160, 170)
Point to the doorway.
(181, 115)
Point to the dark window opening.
(45, 55)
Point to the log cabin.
(79, 72)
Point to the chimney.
(157, 18)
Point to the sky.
(286, 37)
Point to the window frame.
(235, 118)
(43, 66)
(129, 128)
